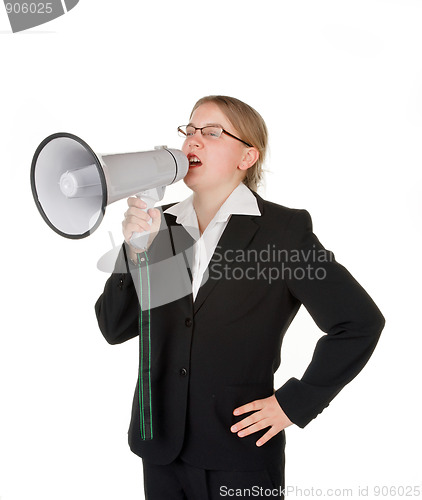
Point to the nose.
(195, 140)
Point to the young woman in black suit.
(206, 419)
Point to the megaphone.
(72, 185)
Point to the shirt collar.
(240, 202)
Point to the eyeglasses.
(210, 132)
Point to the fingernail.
(259, 443)
(236, 412)
(234, 428)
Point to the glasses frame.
(180, 129)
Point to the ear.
(249, 158)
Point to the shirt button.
(188, 322)
(183, 372)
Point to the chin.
(189, 183)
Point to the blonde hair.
(251, 128)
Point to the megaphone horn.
(72, 185)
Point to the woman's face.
(221, 161)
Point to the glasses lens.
(190, 131)
(209, 132)
(212, 132)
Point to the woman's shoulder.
(272, 209)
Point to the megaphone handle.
(150, 197)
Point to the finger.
(246, 422)
(135, 210)
(129, 229)
(266, 437)
(156, 219)
(136, 202)
(154, 212)
(258, 426)
(135, 215)
(253, 406)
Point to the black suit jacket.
(222, 350)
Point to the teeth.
(194, 160)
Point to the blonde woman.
(207, 420)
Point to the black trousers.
(181, 481)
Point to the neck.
(208, 203)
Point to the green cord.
(141, 385)
(141, 368)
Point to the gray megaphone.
(72, 185)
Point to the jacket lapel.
(181, 241)
(238, 234)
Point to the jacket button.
(183, 372)
(188, 322)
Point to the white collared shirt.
(240, 202)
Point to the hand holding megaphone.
(141, 223)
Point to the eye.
(190, 131)
(213, 132)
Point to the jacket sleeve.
(117, 306)
(341, 308)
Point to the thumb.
(155, 215)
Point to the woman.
(213, 425)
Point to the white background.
(339, 84)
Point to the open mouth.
(194, 161)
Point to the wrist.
(132, 253)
